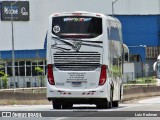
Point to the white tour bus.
(84, 60)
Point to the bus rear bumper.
(99, 92)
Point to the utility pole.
(13, 57)
(113, 7)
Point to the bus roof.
(84, 13)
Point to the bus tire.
(115, 103)
(121, 92)
(111, 99)
(56, 104)
(103, 105)
(67, 106)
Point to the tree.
(4, 77)
(41, 74)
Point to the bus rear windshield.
(77, 27)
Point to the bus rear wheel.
(104, 104)
(111, 99)
(115, 103)
(56, 104)
(67, 106)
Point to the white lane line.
(151, 100)
(61, 118)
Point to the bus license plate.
(76, 84)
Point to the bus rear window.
(77, 27)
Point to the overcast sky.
(31, 34)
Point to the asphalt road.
(142, 110)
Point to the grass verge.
(24, 102)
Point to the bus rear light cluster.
(50, 74)
(103, 75)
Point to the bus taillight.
(50, 74)
(103, 75)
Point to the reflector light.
(50, 74)
(98, 15)
(57, 14)
(103, 75)
(77, 14)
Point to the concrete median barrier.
(128, 93)
(140, 92)
(22, 96)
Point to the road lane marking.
(61, 118)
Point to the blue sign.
(17, 11)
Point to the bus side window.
(116, 67)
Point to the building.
(26, 64)
(140, 20)
(141, 33)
